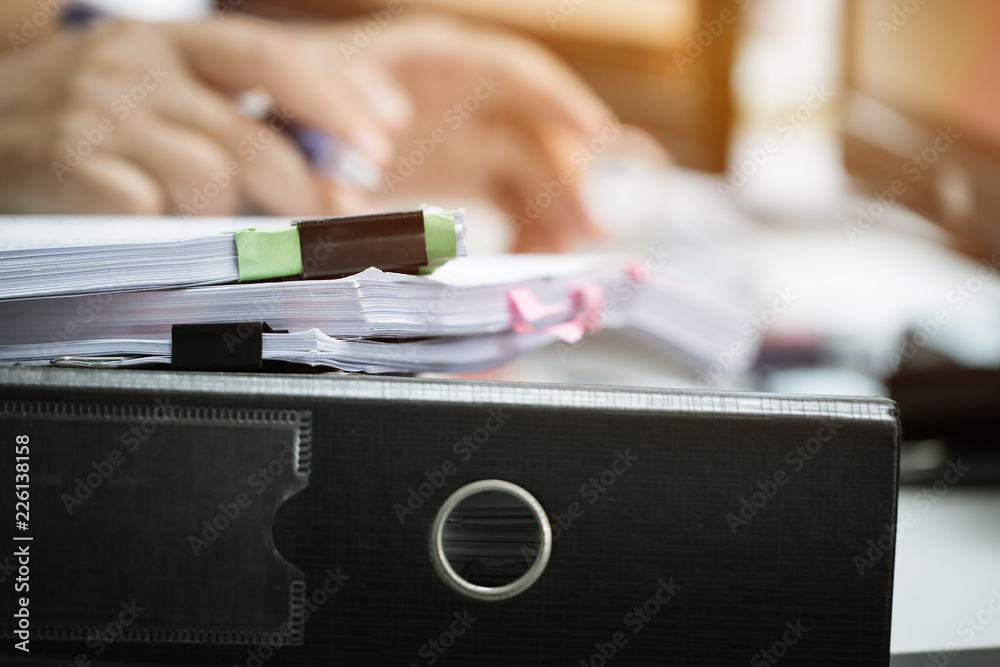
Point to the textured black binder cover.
(657, 567)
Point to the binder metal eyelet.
(440, 559)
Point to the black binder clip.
(337, 247)
(227, 346)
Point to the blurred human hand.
(496, 115)
(137, 118)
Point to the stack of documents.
(271, 253)
(79, 305)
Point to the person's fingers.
(530, 234)
(190, 166)
(540, 191)
(567, 157)
(242, 54)
(260, 159)
(551, 175)
(108, 183)
(279, 181)
(533, 81)
(275, 174)
(342, 201)
(545, 88)
(60, 163)
(384, 95)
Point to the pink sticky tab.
(637, 272)
(590, 300)
(568, 332)
(526, 305)
(588, 307)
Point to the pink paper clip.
(586, 302)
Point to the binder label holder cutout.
(173, 520)
(485, 534)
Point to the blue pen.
(330, 157)
(81, 15)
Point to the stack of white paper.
(460, 302)
(312, 348)
(473, 313)
(30, 269)
(106, 268)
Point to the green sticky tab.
(439, 235)
(268, 253)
